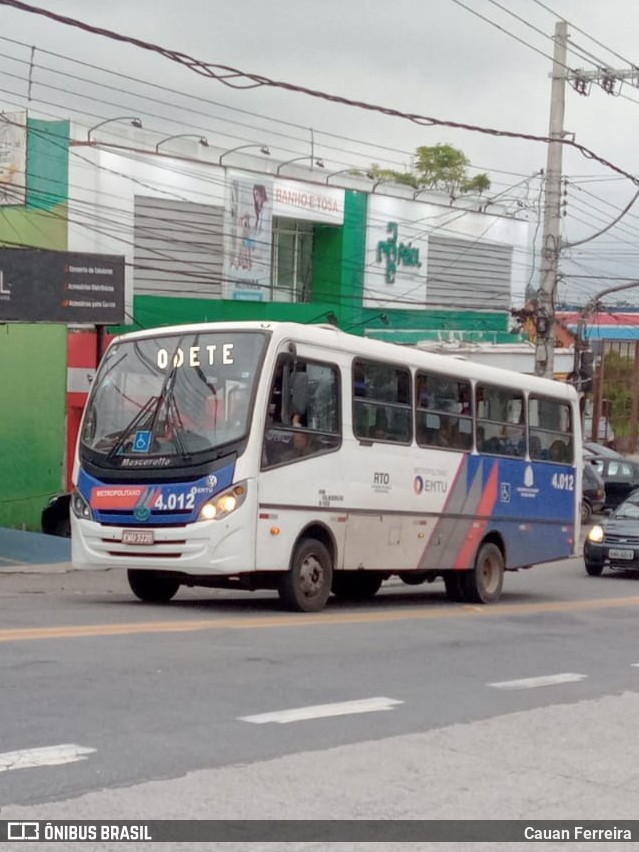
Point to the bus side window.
(304, 417)
(381, 398)
(443, 411)
(550, 425)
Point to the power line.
(235, 78)
(592, 38)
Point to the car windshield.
(593, 449)
(164, 399)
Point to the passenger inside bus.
(535, 448)
(559, 451)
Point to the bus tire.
(453, 581)
(356, 585)
(151, 586)
(483, 583)
(305, 587)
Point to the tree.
(438, 167)
(619, 380)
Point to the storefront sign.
(396, 254)
(248, 236)
(13, 158)
(309, 202)
(393, 253)
(57, 286)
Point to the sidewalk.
(33, 553)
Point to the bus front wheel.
(305, 587)
(151, 586)
(483, 583)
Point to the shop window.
(292, 260)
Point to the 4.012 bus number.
(173, 502)
(563, 481)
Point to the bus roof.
(364, 347)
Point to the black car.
(593, 492)
(615, 542)
(620, 476)
(55, 519)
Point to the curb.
(45, 568)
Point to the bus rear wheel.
(483, 583)
(356, 585)
(151, 586)
(305, 587)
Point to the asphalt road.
(158, 692)
(156, 700)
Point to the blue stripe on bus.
(152, 504)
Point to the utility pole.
(545, 320)
(610, 81)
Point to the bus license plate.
(613, 553)
(137, 537)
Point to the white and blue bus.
(263, 455)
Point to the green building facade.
(33, 357)
(33, 381)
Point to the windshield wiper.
(151, 405)
(174, 418)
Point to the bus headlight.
(80, 507)
(223, 504)
(596, 534)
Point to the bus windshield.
(160, 401)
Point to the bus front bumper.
(205, 548)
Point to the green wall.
(33, 357)
(33, 393)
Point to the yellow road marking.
(77, 631)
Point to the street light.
(353, 172)
(314, 161)
(135, 122)
(382, 317)
(204, 142)
(263, 149)
(388, 180)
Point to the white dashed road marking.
(534, 682)
(47, 756)
(323, 711)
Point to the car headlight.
(80, 507)
(596, 534)
(223, 504)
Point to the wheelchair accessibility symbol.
(504, 492)
(142, 442)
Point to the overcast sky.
(426, 57)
